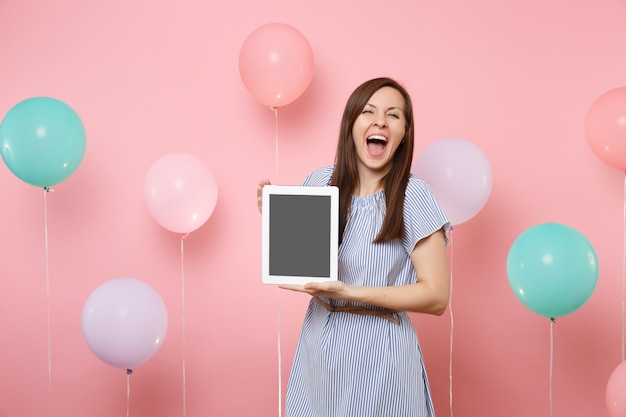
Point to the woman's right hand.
(259, 193)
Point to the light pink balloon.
(180, 192)
(605, 127)
(616, 392)
(124, 322)
(276, 64)
(459, 174)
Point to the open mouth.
(376, 144)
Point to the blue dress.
(353, 365)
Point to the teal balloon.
(552, 269)
(43, 141)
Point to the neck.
(370, 181)
(368, 186)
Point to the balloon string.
(275, 109)
(45, 216)
(182, 274)
(552, 321)
(128, 373)
(280, 380)
(280, 372)
(623, 267)
(451, 320)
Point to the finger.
(292, 287)
(259, 193)
(312, 286)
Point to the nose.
(380, 121)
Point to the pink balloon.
(124, 322)
(459, 174)
(276, 64)
(180, 192)
(616, 392)
(605, 127)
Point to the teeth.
(377, 137)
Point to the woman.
(358, 354)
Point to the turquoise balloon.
(43, 141)
(552, 269)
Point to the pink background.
(149, 78)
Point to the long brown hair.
(345, 175)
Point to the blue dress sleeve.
(320, 177)
(422, 214)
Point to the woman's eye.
(367, 111)
(394, 115)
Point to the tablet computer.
(300, 226)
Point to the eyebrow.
(390, 108)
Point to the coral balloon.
(124, 322)
(42, 141)
(180, 192)
(615, 395)
(552, 269)
(605, 127)
(459, 174)
(276, 64)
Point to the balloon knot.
(129, 371)
(185, 235)
(552, 319)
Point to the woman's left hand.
(331, 289)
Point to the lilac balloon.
(124, 322)
(459, 174)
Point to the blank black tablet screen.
(299, 235)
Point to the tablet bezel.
(299, 190)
